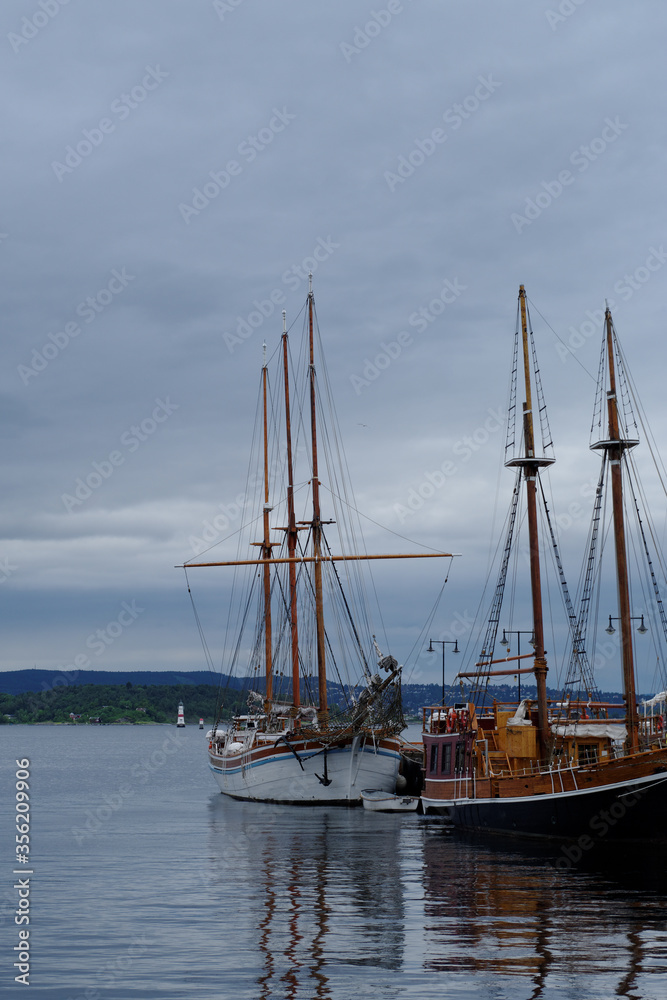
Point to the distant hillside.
(20, 681)
(415, 696)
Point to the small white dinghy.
(378, 801)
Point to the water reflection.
(326, 903)
(295, 924)
(511, 910)
(323, 894)
(270, 902)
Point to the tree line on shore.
(158, 703)
(82, 704)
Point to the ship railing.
(564, 763)
(655, 740)
(652, 726)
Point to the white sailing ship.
(294, 625)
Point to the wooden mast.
(322, 559)
(292, 532)
(530, 463)
(266, 553)
(615, 447)
(317, 521)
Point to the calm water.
(149, 883)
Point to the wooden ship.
(569, 770)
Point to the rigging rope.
(494, 619)
(578, 652)
(510, 433)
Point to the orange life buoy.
(451, 720)
(660, 724)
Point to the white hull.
(378, 801)
(268, 773)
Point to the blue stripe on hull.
(304, 758)
(286, 782)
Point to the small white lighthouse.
(180, 724)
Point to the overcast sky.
(172, 170)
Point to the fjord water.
(148, 883)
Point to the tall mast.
(530, 463)
(317, 522)
(291, 531)
(615, 448)
(266, 551)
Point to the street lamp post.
(636, 618)
(443, 643)
(505, 642)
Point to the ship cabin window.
(460, 756)
(446, 766)
(587, 753)
(434, 757)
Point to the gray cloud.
(150, 102)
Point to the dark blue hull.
(628, 811)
